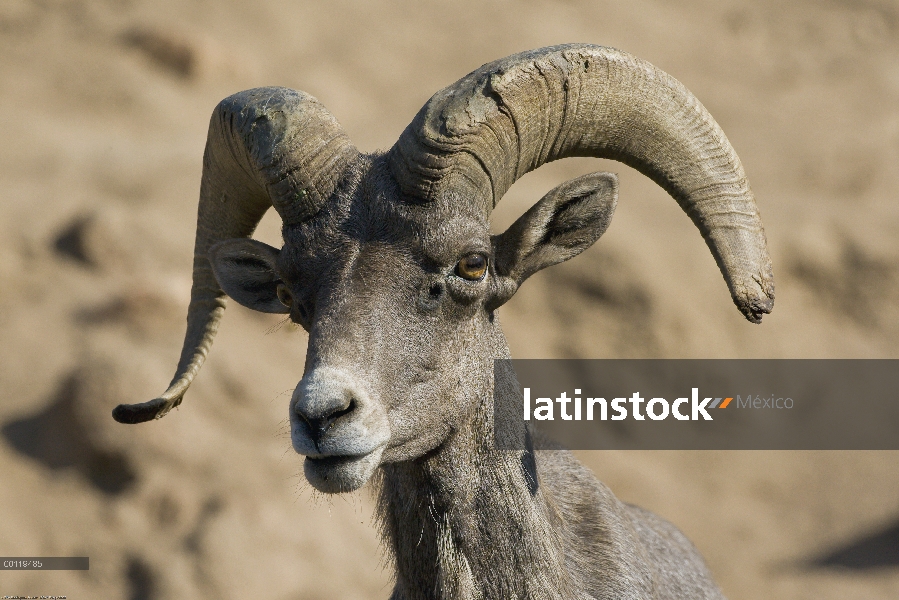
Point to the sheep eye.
(472, 267)
(284, 295)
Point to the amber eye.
(472, 267)
(284, 295)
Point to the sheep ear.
(245, 270)
(564, 223)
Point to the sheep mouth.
(336, 474)
(334, 461)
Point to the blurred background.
(104, 106)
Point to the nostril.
(318, 426)
(336, 415)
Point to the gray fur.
(389, 264)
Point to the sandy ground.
(104, 107)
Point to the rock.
(98, 240)
(70, 432)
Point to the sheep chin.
(338, 474)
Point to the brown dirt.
(104, 107)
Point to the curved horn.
(266, 147)
(477, 136)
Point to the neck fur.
(469, 521)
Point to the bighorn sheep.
(388, 263)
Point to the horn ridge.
(515, 114)
(265, 147)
